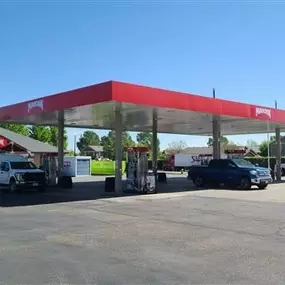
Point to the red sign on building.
(3, 142)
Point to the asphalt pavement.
(176, 237)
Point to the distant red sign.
(3, 142)
(138, 149)
(235, 151)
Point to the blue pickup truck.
(237, 173)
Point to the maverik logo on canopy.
(36, 104)
(264, 113)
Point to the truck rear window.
(22, 165)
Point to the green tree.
(263, 149)
(145, 139)
(224, 142)
(88, 138)
(176, 147)
(40, 133)
(19, 129)
(251, 143)
(54, 137)
(162, 155)
(108, 143)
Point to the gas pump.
(49, 164)
(205, 158)
(139, 179)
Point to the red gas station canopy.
(178, 113)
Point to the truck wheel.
(42, 188)
(215, 185)
(12, 186)
(245, 183)
(199, 182)
(262, 187)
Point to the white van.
(17, 172)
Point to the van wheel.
(283, 171)
(245, 183)
(12, 186)
(199, 182)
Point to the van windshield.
(22, 165)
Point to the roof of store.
(31, 145)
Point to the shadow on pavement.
(82, 191)
(278, 182)
(91, 190)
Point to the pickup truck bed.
(237, 173)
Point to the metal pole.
(60, 142)
(154, 144)
(74, 147)
(214, 93)
(268, 145)
(278, 154)
(278, 151)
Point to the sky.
(237, 47)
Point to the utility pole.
(74, 146)
(278, 150)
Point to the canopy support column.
(60, 143)
(118, 150)
(216, 137)
(154, 144)
(278, 154)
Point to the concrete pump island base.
(127, 107)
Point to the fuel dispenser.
(205, 158)
(139, 179)
(49, 164)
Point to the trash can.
(161, 177)
(110, 184)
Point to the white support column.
(118, 150)
(60, 142)
(216, 134)
(154, 143)
(278, 154)
(216, 137)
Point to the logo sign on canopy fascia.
(263, 113)
(37, 104)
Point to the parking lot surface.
(176, 237)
